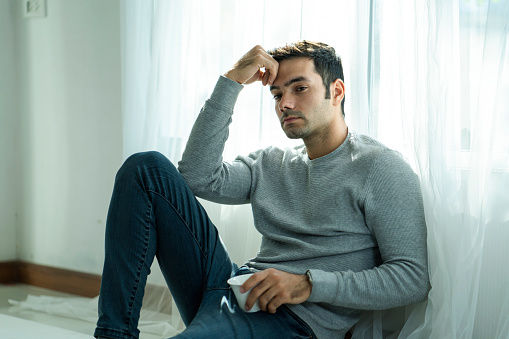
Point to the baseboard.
(68, 281)
(8, 272)
(57, 279)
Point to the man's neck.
(322, 145)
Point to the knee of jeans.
(144, 160)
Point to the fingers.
(273, 72)
(270, 297)
(265, 78)
(261, 290)
(255, 65)
(274, 288)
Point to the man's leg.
(153, 212)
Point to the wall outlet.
(34, 8)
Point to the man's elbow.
(421, 287)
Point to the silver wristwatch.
(310, 278)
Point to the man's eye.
(276, 96)
(300, 89)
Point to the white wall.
(9, 164)
(69, 101)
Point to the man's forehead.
(293, 70)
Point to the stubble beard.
(294, 132)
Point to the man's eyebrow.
(294, 80)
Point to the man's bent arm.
(202, 163)
(394, 213)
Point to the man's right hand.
(255, 65)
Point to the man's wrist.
(230, 75)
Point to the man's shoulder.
(366, 146)
(366, 142)
(375, 151)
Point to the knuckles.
(279, 283)
(258, 48)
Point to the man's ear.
(337, 92)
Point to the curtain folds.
(429, 78)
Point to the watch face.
(310, 278)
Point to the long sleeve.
(394, 213)
(202, 163)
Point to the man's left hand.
(276, 288)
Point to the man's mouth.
(289, 117)
(289, 120)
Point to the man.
(341, 217)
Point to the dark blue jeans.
(153, 213)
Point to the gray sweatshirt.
(353, 217)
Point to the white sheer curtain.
(428, 78)
(441, 85)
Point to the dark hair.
(327, 63)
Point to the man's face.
(300, 103)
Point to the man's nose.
(286, 102)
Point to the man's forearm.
(201, 163)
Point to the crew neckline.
(349, 137)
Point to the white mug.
(235, 284)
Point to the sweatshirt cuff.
(323, 284)
(226, 92)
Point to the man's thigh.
(219, 316)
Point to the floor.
(16, 323)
